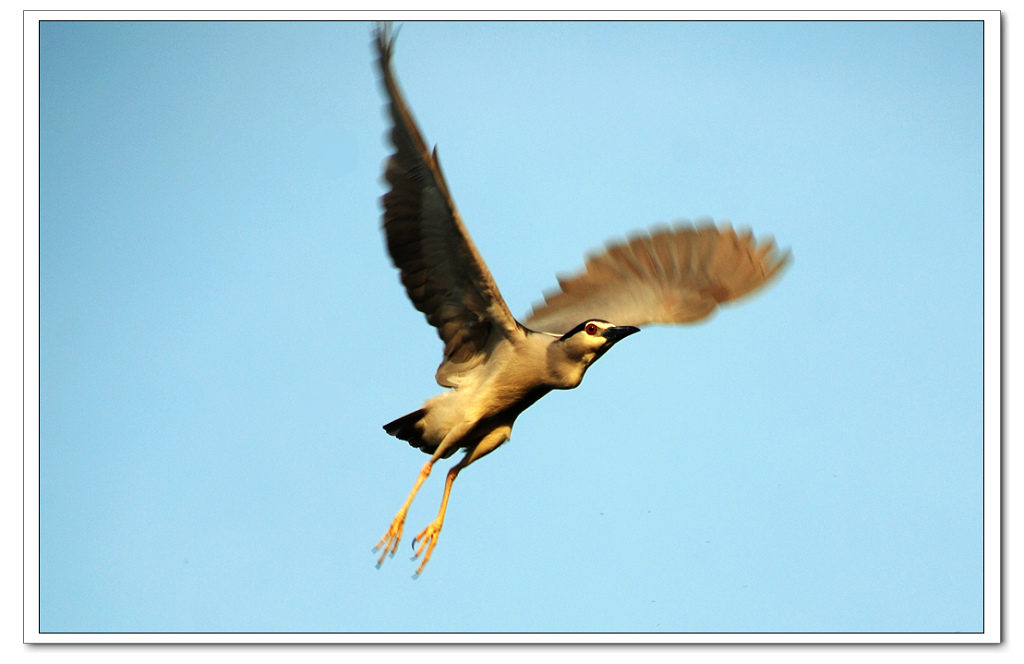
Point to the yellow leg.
(428, 537)
(391, 538)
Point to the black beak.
(614, 334)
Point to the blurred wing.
(677, 275)
(443, 273)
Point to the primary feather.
(441, 269)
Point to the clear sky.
(222, 334)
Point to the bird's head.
(591, 339)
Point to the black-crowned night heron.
(497, 367)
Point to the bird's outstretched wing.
(668, 275)
(443, 273)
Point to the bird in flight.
(495, 366)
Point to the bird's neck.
(564, 372)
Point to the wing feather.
(667, 275)
(442, 271)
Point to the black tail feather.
(407, 428)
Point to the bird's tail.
(408, 427)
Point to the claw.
(391, 538)
(428, 540)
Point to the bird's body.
(496, 367)
(489, 398)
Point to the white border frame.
(992, 334)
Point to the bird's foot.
(391, 538)
(427, 540)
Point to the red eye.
(591, 329)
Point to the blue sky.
(222, 334)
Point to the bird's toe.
(389, 543)
(427, 541)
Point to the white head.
(591, 339)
